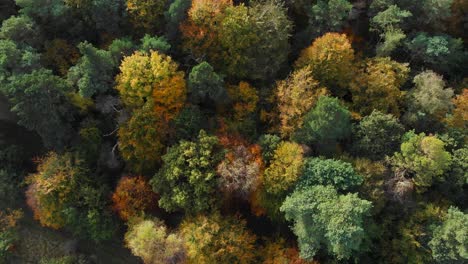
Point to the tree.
(424, 158)
(147, 15)
(60, 56)
(331, 59)
(132, 196)
(141, 139)
(152, 77)
(61, 194)
(296, 96)
(188, 123)
(187, 180)
(377, 86)
(442, 53)
(388, 24)
(94, 72)
(151, 241)
(174, 16)
(268, 143)
(372, 188)
(244, 99)
(378, 135)
(217, 239)
(8, 231)
(205, 84)
(240, 171)
(459, 115)
(339, 174)
(328, 15)
(449, 241)
(327, 123)
(429, 101)
(278, 180)
(21, 30)
(278, 252)
(40, 101)
(155, 43)
(323, 218)
(15, 60)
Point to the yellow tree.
(152, 77)
(459, 117)
(331, 60)
(217, 239)
(377, 86)
(244, 99)
(296, 96)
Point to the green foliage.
(15, 60)
(424, 158)
(449, 241)
(93, 74)
(155, 43)
(176, 13)
(187, 181)
(40, 102)
(378, 135)
(268, 143)
(339, 174)
(21, 30)
(328, 15)
(205, 84)
(327, 122)
(323, 218)
(440, 52)
(188, 123)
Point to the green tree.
(268, 143)
(94, 72)
(21, 30)
(15, 60)
(40, 101)
(205, 84)
(328, 15)
(439, 52)
(424, 158)
(323, 218)
(187, 180)
(378, 135)
(339, 174)
(217, 239)
(151, 241)
(327, 123)
(449, 242)
(388, 24)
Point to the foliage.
(424, 158)
(244, 100)
(155, 43)
(146, 15)
(141, 139)
(327, 122)
(459, 115)
(339, 174)
(329, 15)
(60, 56)
(61, 195)
(15, 60)
(151, 241)
(94, 71)
(187, 180)
(205, 84)
(277, 252)
(217, 239)
(377, 86)
(268, 143)
(440, 52)
(132, 196)
(429, 100)
(296, 96)
(240, 171)
(331, 59)
(449, 241)
(40, 102)
(8, 233)
(323, 218)
(152, 77)
(378, 135)
(21, 30)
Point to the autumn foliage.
(132, 196)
